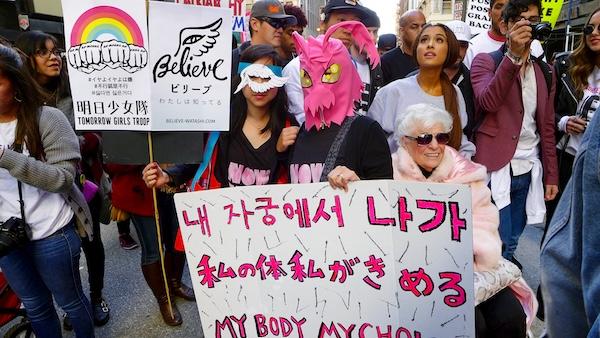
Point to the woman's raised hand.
(154, 176)
(287, 138)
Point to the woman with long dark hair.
(45, 65)
(435, 48)
(578, 96)
(253, 152)
(38, 155)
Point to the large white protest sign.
(107, 58)
(190, 56)
(384, 258)
(238, 7)
(477, 16)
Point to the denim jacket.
(570, 256)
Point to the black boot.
(174, 264)
(154, 278)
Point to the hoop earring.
(17, 99)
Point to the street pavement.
(134, 312)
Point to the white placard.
(238, 20)
(107, 58)
(191, 66)
(477, 16)
(309, 261)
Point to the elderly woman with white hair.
(423, 156)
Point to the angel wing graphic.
(199, 40)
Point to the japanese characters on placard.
(238, 20)
(107, 58)
(190, 57)
(309, 261)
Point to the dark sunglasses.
(425, 139)
(589, 29)
(275, 23)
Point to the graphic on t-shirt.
(363, 105)
(588, 106)
(238, 174)
(306, 173)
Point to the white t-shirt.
(45, 212)
(484, 43)
(585, 109)
(364, 71)
(391, 101)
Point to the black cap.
(371, 19)
(271, 9)
(387, 41)
(352, 5)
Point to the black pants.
(501, 316)
(94, 253)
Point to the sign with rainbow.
(107, 57)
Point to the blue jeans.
(45, 268)
(146, 229)
(513, 217)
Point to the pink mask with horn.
(328, 76)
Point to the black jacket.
(565, 100)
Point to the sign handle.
(158, 234)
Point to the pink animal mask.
(328, 76)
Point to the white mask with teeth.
(256, 70)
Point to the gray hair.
(425, 115)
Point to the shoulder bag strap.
(334, 150)
(19, 148)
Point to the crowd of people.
(432, 105)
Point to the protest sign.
(238, 7)
(107, 57)
(477, 16)
(551, 11)
(190, 57)
(308, 261)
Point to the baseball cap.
(352, 5)
(460, 29)
(387, 41)
(271, 9)
(371, 19)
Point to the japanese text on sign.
(305, 259)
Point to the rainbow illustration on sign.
(103, 22)
(106, 36)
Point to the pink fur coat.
(487, 246)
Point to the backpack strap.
(334, 150)
(546, 70)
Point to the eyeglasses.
(589, 29)
(45, 53)
(275, 23)
(425, 139)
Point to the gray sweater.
(57, 173)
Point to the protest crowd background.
(500, 97)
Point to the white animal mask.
(253, 70)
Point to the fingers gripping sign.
(340, 177)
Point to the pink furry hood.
(329, 78)
(487, 246)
